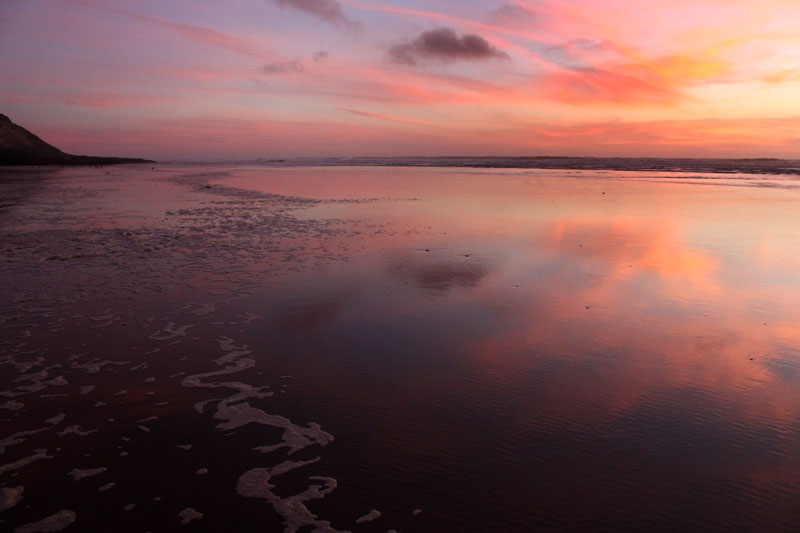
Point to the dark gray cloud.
(443, 44)
(328, 10)
(283, 67)
(322, 55)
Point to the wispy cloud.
(384, 116)
(460, 22)
(283, 67)
(327, 10)
(597, 86)
(513, 14)
(198, 34)
(784, 76)
(102, 100)
(444, 45)
(710, 136)
(571, 54)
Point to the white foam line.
(16, 438)
(12, 405)
(199, 309)
(16, 465)
(75, 430)
(10, 496)
(78, 474)
(107, 315)
(52, 523)
(189, 514)
(94, 366)
(235, 412)
(255, 483)
(38, 383)
(246, 318)
(369, 517)
(56, 419)
(169, 332)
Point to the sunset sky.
(203, 80)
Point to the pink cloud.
(596, 86)
(390, 118)
(115, 99)
(198, 34)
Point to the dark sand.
(220, 348)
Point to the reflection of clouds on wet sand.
(505, 361)
(651, 336)
(624, 244)
(437, 273)
(625, 345)
(631, 340)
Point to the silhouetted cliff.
(18, 146)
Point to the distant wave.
(722, 166)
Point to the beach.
(370, 348)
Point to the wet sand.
(370, 349)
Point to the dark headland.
(18, 146)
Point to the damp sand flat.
(373, 349)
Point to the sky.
(242, 79)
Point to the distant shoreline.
(716, 166)
(768, 166)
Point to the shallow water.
(502, 350)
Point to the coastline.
(717, 166)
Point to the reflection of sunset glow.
(629, 324)
(625, 310)
(583, 77)
(626, 244)
(509, 349)
(659, 313)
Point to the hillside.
(18, 146)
